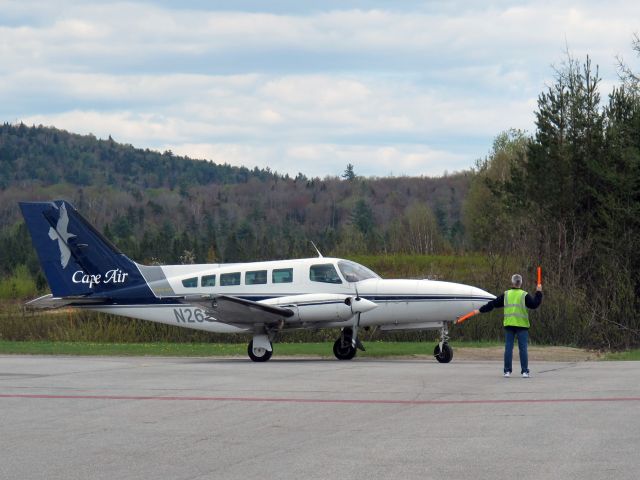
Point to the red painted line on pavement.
(319, 400)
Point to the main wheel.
(445, 355)
(343, 352)
(260, 354)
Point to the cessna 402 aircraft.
(85, 270)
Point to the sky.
(392, 87)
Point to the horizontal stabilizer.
(51, 302)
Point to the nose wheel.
(443, 354)
(443, 351)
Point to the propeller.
(354, 338)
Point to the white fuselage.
(399, 304)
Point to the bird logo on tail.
(62, 235)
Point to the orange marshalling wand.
(467, 316)
(539, 276)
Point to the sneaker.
(507, 374)
(525, 374)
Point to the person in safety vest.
(516, 321)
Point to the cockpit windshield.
(354, 272)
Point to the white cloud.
(399, 89)
(263, 107)
(123, 126)
(136, 30)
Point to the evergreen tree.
(362, 217)
(349, 173)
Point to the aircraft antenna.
(314, 246)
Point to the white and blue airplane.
(85, 270)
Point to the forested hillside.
(162, 208)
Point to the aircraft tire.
(254, 357)
(446, 355)
(343, 353)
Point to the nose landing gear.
(443, 354)
(443, 351)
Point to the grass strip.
(374, 349)
(630, 355)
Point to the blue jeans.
(523, 339)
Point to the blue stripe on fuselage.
(382, 298)
(256, 298)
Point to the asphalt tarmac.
(203, 418)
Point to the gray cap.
(516, 280)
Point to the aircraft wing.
(302, 309)
(238, 311)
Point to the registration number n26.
(190, 315)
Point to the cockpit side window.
(354, 272)
(190, 282)
(325, 273)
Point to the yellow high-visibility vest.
(516, 313)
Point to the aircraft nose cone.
(481, 295)
(361, 305)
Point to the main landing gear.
(443, 351)
(346, 346)
(260, 348)
(259, 354)
(343, 351)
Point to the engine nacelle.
(322, 307)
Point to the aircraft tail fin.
(77, 260)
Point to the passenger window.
(282, 275)
(257, 277)
(227, 279)
(190, 282)
(208, 281)
(325, 273)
